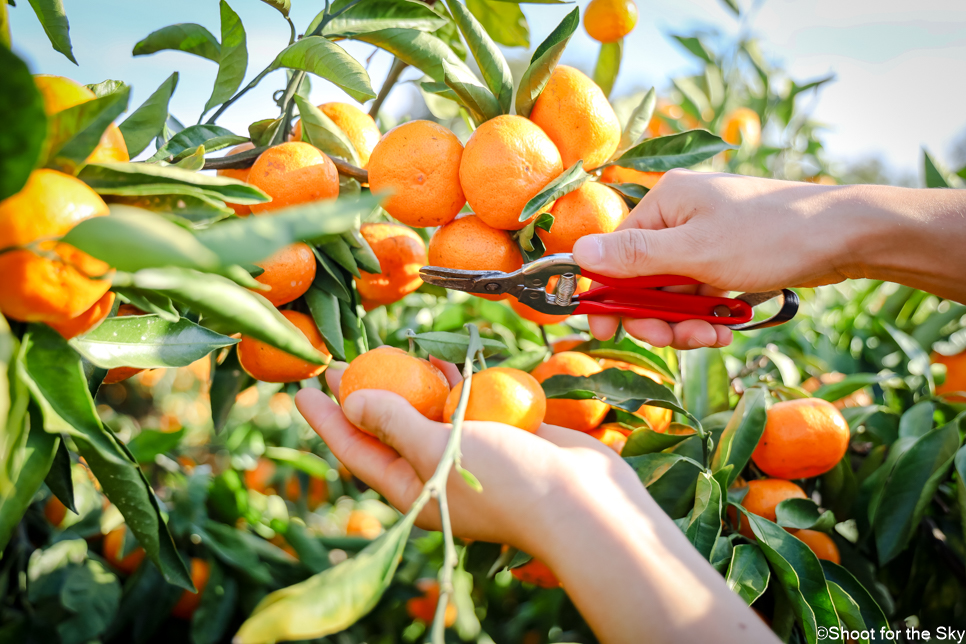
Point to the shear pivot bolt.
(722, 311)
(493, 286)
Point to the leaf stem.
(255, 81)
(291, 25)
(394, 72)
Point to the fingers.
(450, 370)
(333, 376)
(655, 332)
(632, 252)
(690, 334)
(603, 327)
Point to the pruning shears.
(636, 297)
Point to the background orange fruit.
(581, 415)
(401, 253)
(260, 477)
(741, 126)
(241, 174)
(469, 244)
(289, 273)
(40, 289)
(820, 543)
(501, 395)
(418, 164)
(358, 127)
(391, 369)
(363, 524)
(60, 93)
(86, 321)
(507, 161)
(54, 511)
(577, 117)
(665, 112)
(316, 494)
(538, 317)
(860, 398)
(610, 20)
(617, 174)
(592, 208)
(657, 417)
(537, 573)
(955, 373)
(268, 364)
(112, 547)
(293, 173)
(612, 435)
(188, 602)
(762, 498)
(802, 438)
(423, 607)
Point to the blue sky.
(899, 64)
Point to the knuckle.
(632, 248)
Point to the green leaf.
(670, 479)
(105, 87)
(503, 21)
(233, 62)
(339, 251)
(148, 342)
(91, 594)
(803, 514)
(872, 614)
(213, 137)
(452, 347)
(20, 103)
(227, 304)
(631, 192)
(324, 308)
(283, 6)
(374, 15)
(673, 151)
(848, 385)
(608, 65)
(189, 38)
(489, 58)
(186, 202)
(839, 488)
(917, 420)
(322, 132)
(918, 358)
(637, 123)
(647, 441)
(706, 382)
(54, 21)
(332, 600)
(147, 121)
(148, 444)
(227, 382)
(326, 59)
(733, 5)
(476, 98)
(218, 605)
(303, 461)
(329, 278)
(748, 573)
(530, 244)
(72, 134)
(362, 252)
(567, 182)
(55, 376)
(635, 354)
(910, 488)
(935, 177)
(696, 47)
(35, 455)
(115, 176)
(307, 547)
(59, 478)
(543, 62)
(705, 524)
(618, 388)
(423, 51)
(262, 132)
(742, 433)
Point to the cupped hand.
(730, 232)
(527, 478)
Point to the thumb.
(633, 252)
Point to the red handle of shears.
(646, 302)
(647, 281)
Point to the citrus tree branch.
(397, 68)
(247, 158)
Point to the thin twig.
(291, 25)
(247, 158)
(397, 68)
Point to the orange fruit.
(55, 511)
(955, 374)
(293, 173)
(802, 438)
(357, 126)
(577, 117)
(401, 253)
(241, 174)
(657, 417)
(507, 161)
(612, 435)
(820, 543)
(665, 112)
(363, 524)
(590, 209)
(188, 602)
(317, 494)
(537, 573)
(418, 163)
(860, 398)
(581, 415)
(113, 546)
(538, 317)
(268, 364)
(741, 125)
(501, 395)
(762, 498)
(391, 369)
(469, 244)
(423, 608)
(567, 343)
(617, 174)
(42, 289)
(610, 20)
(289, 273)
(118, 374)
(822, 180)
(260, 478)
(59, 93)
(86, 321)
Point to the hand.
(730, 232)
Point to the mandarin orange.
(581, 415)
(391, 369)
(591, 209)
(501, 395)
(293, 173)
(802, 438)
(401, 253)
(468, 243)
(268, 364)
(288, 273)
(359, 128)
(241, 174)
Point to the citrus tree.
(158, 315)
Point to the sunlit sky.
(899, 65)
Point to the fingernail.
(353, 407)
(588, 251)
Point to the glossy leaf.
(186, 202)
(452, 347)
(476, 98)
(705, 524)
(189, 38)
(917, 420)
(872, 614)
(848, 385)
(73, 133)
(147, 121)
(332, 600)
(228, 380)
(20, 103)
(839, 489)
(742, 433)
(105, 87)
(646, 441)
(282, 6)
(748, 573)
(329, 278)
(568, 181)
(339, 251)
(503, 21)
(621, 389)
(54, 21)
(803, 514)
(706, 382)
(35, 455)
(324, 308)
(489, 58)
(374, 15)
(423, 51)
(631, 192)
(362, 252)
(637, 122)
(327, 60)
(635, 354)
(543, 62)
(673, 151)
(671, 480)
(59, 478)
(233, 62)
(114, 176)
(608, 65)
(213, 137)
(530, 244)
(149, 443)
(319, 130)
(303, 461)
